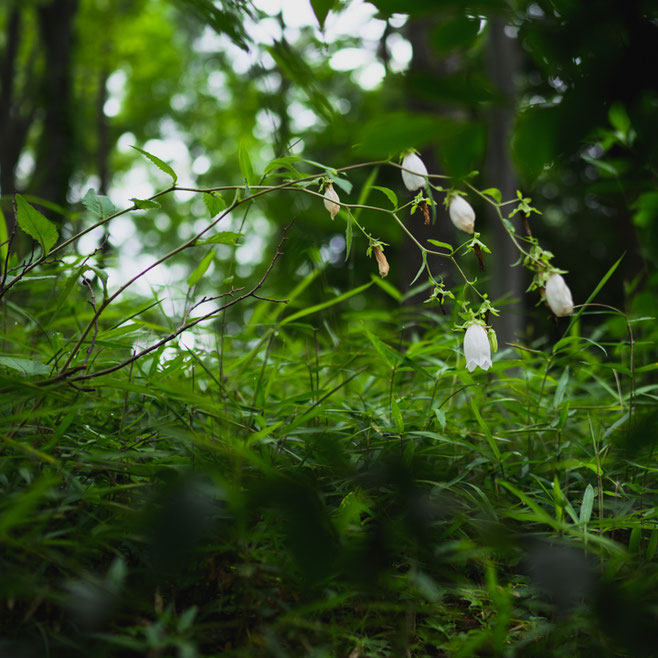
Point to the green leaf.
(99, 205)
(456, 33)
(214, 202)
(35, 224)
(397, 416)
(387, 287)
(653, 543)
(245, 164)
(634, 539)
(319, 307)
(283, 163)
(444, 245)
(200, 269)
(587, 504)
(485, 428)
(392, 197)
(462, 146)
(576, 316)
(348, 236)
(509, 226)
(343, 183)
(26, 367)
(321, 8)
(561, 387)
(225, 237)
(387, 353)
(620, 120)
(535, 139)
(145, 204)
(160, 164)
(494, 193)
(420, 271)
(394, 132)
(441, 417)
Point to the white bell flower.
(476, 348)
(331, 200)
(415, 178)
(462, 214)
(558, 295)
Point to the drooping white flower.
(476, 348)
(462, 214)
(558, 295)
(413, 179)
(331, 200)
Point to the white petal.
(462, 214)
(476, 348)
(413, 179)
(558, 295)
(331, 196)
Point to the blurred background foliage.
(340, 82)
(335, 484)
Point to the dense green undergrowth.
(333, 485)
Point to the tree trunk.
(507, 281)
(13, 124)
(56, 150)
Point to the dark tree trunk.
(56, 150)
(507, 281)
(15, 121)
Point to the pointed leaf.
(587, 504)
(160, 164)
(145, 204)
(225, 237)
(246, 167)
(318, 307)
(438, 243)
(200, 269)
(285, 162)
(494, 193)
(343, 183)
(390, 194)
(397, 416)
(99, 205)
(26, 367)
(35, 224)
(214, 202)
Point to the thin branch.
(184, 327)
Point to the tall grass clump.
(239, 472)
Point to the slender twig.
(183, 327)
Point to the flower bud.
(558, 295)
(381, 261)
(331, 200)
(415, 178)
(476, 348)
(462, 214)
